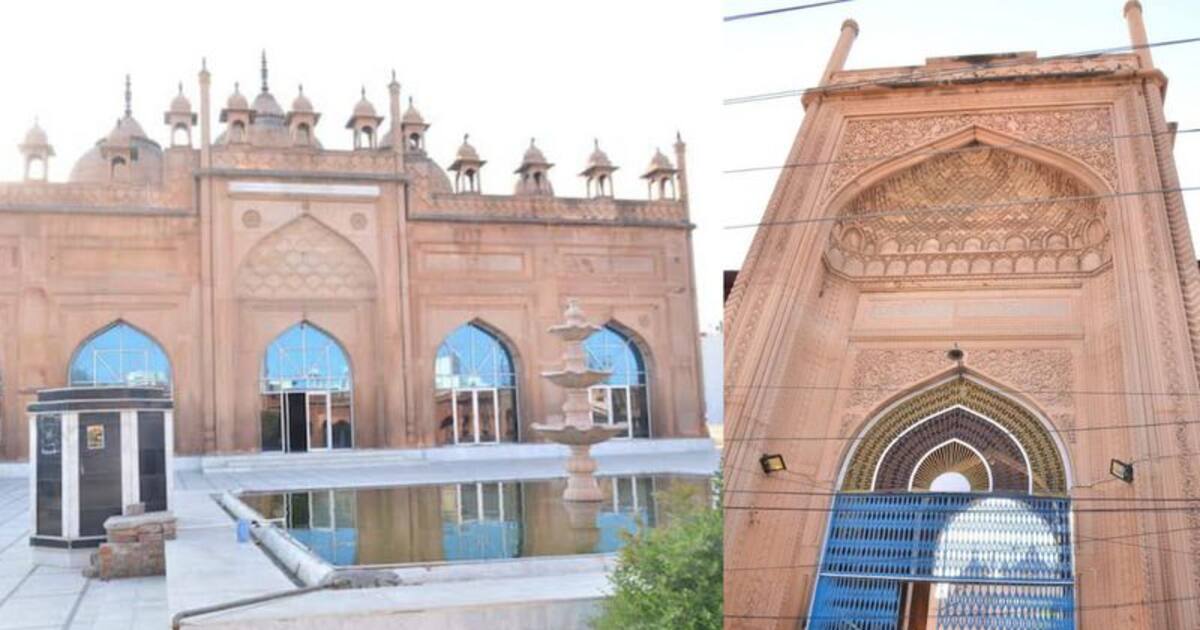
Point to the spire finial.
(204, 63)
(128, 98)
(410, 101)
(531, 141)
(181, 87)
(596, 141)
(301, 89)
(393, 75)
(237, 86)
(465, 135)
(264, 70)
(363, 92)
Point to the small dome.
(659, 162)
(533, 155)
(301, 103)
(466, 152)
(364, 107)
(411, 115)
(180, 104)
(236, 100)
(124, 132)
(265, 106)
(36, 136)
(598, 157)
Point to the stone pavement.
(48, 597)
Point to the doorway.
(476, 416)
(305, 420)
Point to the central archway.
(952, 513)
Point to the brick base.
(135, 546)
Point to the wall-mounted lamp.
(1121, 470)
(955, 354)
(772, 463)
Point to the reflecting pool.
(471, 521)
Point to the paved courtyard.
(49, 597)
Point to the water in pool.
(469, 521)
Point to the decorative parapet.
(506, 209)
(81, 197)
(369, 163)
(976, 68)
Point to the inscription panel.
(441, 261)
(922, 314)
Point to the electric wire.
(916, 74)
(1082, 139)
(800, 7)
(1032, 201)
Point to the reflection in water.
(466, 521)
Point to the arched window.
(118, 168)
(303, 135)
(307, 392)
(237, 132)
(181, 136)
(475, 388)
(623, 396)
(120, 355)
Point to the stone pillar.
(841, 50)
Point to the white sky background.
(629, 72)
(790, 50)
(626, 71)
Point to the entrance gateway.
(952, 514)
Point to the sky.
(789, 50)
(628, 72)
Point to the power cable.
(745, 16)
(916, 74)
(1094, 139)
(961, 208)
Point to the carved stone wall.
(970, 225)
(305, 259)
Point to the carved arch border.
(1047, 457)
(1040, 153)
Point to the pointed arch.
(476, 386)
(305, 258)
(1047, 460)
(979, 171)
(307, 388)
(624, 397)
(119, 354)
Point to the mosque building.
(297, 298)
(962, 355)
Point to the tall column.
(207, 342)
(1137, 33)
(837, 60)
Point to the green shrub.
(670, 577)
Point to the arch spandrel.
(304, 258)
(947, 211)
(1047, 470)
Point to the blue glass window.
(608, 349)
(472, 357)
(303, 357)
(120, 355)
(475, 397)
(622, 398)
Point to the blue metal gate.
(999, 561)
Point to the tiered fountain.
(577, 429)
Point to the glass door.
(611, 405)
(476, 416)
(318, 420)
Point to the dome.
(428, 170)
(180, 104)
(145, 170)
(265, 106)
(466, 152)
(36, 136)
(598, 157)
(364, 107)
(533, 155)
(659, 162)
(236, 100)
(301, 103)
(411, 115)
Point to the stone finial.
(264, 70)
(128, 98)
(574, 314)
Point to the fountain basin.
(576, 379)
(575, 436)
